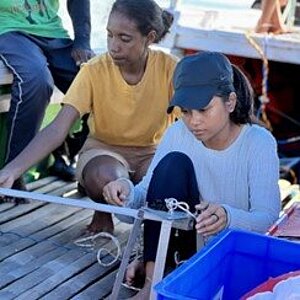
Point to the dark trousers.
(173, 177)
(37, 65)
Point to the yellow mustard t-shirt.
(123, 114)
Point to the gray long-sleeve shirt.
(242, 178)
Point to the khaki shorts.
(135, 159)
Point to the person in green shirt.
(40, 54)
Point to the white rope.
(172, 204)
(90, 242)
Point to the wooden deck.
(38, 257)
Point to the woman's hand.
(81, 55)
(212, 218)
(116, 191)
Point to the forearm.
(137, 197)
(79, 11)
(43, 144)
(256, 221)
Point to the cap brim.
(192, 97)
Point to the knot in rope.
(172, 204)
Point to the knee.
(175, 161)
(45, 80)
(39, 81)
(94, 181)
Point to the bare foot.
(269, 28)
(135, 273)
(101, 222)
(144, 293)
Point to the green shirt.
(37, 17)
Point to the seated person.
(214, 159)
(126, 92)
(40, 54)
(271, 20)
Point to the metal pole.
(130, 244)
(161, 255)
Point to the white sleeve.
(138, 194)
(263, 175)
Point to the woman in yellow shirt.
(126, 92)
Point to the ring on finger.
(217, 217)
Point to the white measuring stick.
(79, 203)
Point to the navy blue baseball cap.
(198, 78)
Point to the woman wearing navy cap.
(214, 159)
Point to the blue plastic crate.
(232, 264)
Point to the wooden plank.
(46, 234)
(99, 289)
(18, 211)
(31, 187)
(40, 183)
(15, 247)
(85, 266)
(225, 31)
(38, 257)
(21, 211)
(7, 238)
(64, 239)
(10, 210)
(60, 277)
(20, 259)
(20, 272)
(39, 275)
(65, 220)
(85, 269)
(27, 236)
(44, 216)
(5, 75)
(236, 43)
(5, 206)
(81, 216)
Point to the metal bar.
(164, 237)
(161, 255)
(78, 203)
(200, 241)
(130, 244)
(148, 215)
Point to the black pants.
(174, 176)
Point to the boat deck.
(231, 32)
(38, 257)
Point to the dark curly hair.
(147, 15)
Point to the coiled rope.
(172, 204)
(90, 242)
